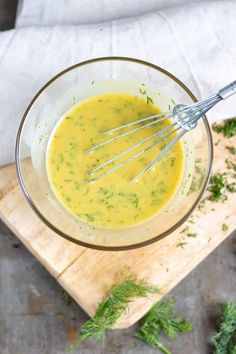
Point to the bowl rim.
(70, 238)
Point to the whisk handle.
(228, 90)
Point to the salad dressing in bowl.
(68, 116)
(112, 201)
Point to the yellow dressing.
(112, 201)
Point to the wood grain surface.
(88, 274)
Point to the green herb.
(67, 299)
(107, 194)
(161, 320)
(181, 244)
(219, 184)
(60, 158)
(225, 227)
(134, 199)
(216, 186)
(228, 128)
(149, 99)
(224, 340)
(113, 306)
(143, 92)
(191, 220)
(155, 194)
(90, 217)
(192, 234)
(131, 197)
(232, 149)
(184, 230)
(92, 82)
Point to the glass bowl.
(78, 82)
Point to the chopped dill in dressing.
(112, 201)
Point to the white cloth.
(76, 12)
(196, 42)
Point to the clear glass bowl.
(96, 76)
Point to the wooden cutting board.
(87, 275)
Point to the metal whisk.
(185, 119)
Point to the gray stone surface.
(35, 320)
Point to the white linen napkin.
(195, 42)
(74, 12)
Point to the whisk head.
(182, 119)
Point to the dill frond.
(224, 340)
(161, 320)
(113, 306)
(228, 128)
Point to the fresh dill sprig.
(228, 128)
(113, 306)
(216, 186)
(161, 320)
(224, 340)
